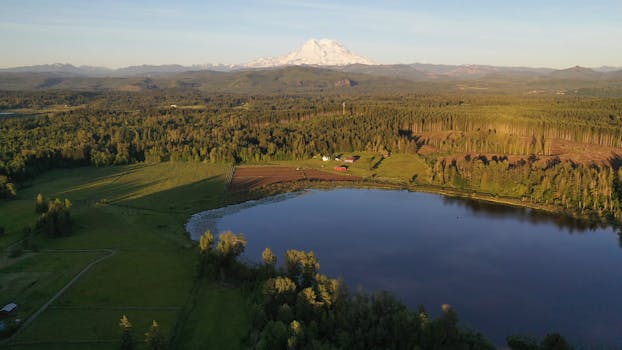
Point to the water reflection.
(527, 215)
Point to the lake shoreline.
(297, 186)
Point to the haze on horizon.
(556, 34)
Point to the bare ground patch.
(255, 177)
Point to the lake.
(504, 269)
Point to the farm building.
(326, 158)
(8, 309)
(341, 168)
(351, 159)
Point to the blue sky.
(533, 33)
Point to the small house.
(341, 168)
(351, 159)
(325, 158)
(8, 309)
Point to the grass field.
(31, 280)
(218, 319)
(401, 167)
(138, 211)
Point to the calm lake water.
(505, 270)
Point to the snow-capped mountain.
(323, 52)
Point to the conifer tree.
(154, 337)
(40, 204)
(127, 342)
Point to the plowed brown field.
(248, 178)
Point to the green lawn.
(139, 211)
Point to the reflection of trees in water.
(533, 216)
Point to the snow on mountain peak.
(322, 52)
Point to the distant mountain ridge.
(330, 54)
(414, 71)
(91, 71)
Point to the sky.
(112, 33)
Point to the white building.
(8, 308)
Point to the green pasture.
(139, 212)
(401, 167)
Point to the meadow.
(137, 212)
(399, 167)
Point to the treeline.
(294, 306)
(578, 188)
(38, 100)
(115, 128)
